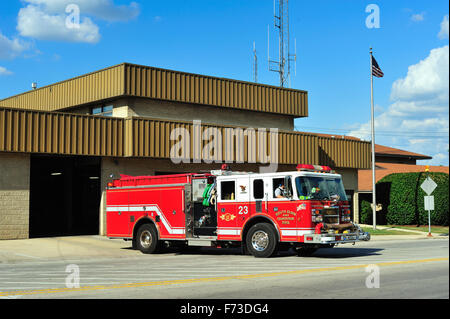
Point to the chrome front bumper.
(336, 238)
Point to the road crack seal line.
(210, 279)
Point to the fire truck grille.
(330, 215)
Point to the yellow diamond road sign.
(428, 186)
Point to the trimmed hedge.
(403, 199)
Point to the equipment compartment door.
(117, 213)
(171, 208)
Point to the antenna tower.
(281, 22)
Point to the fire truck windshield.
(321, 188)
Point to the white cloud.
(102, 9)
(36, 23)
(4, 71)
(10, 48)
(418, 118)
(47, 19)
(418, 17)
(443, 34)
(425, 81)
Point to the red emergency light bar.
(308, 167)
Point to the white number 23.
(243, 210)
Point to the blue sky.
(216, 38)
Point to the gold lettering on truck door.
(285, 216)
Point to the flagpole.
(374, 202)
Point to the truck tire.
(261, 240)
(147, 239)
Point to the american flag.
(376, 71)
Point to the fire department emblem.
(227, 217)
(243, 188)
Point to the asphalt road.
(394, 269)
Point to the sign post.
(428, 187)
(429, 206)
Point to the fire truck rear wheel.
(261, 240)
(147, 239)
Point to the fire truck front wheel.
(147, 239)
(262, 240)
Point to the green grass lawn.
(386, 231)
(434, 229)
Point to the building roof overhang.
(131, 80)
(40, 132)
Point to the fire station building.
(60, 144)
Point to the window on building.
(258, 189)
(104, 110)
(228, 190)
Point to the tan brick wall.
(207, 114)
(140, 107)
(14, 196)
(349, 178)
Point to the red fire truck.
(305, 209)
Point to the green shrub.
(366, 213)
(403, 199)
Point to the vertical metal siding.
(88, 88)
(151, 138)
(191, 88)
(71, 134)
(344, 153)
(56, 133)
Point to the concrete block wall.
(14, 196)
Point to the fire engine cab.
(305, 209)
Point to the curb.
(418, 232)
(405, 237)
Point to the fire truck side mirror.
(287, 186)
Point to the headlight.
(316, 217)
